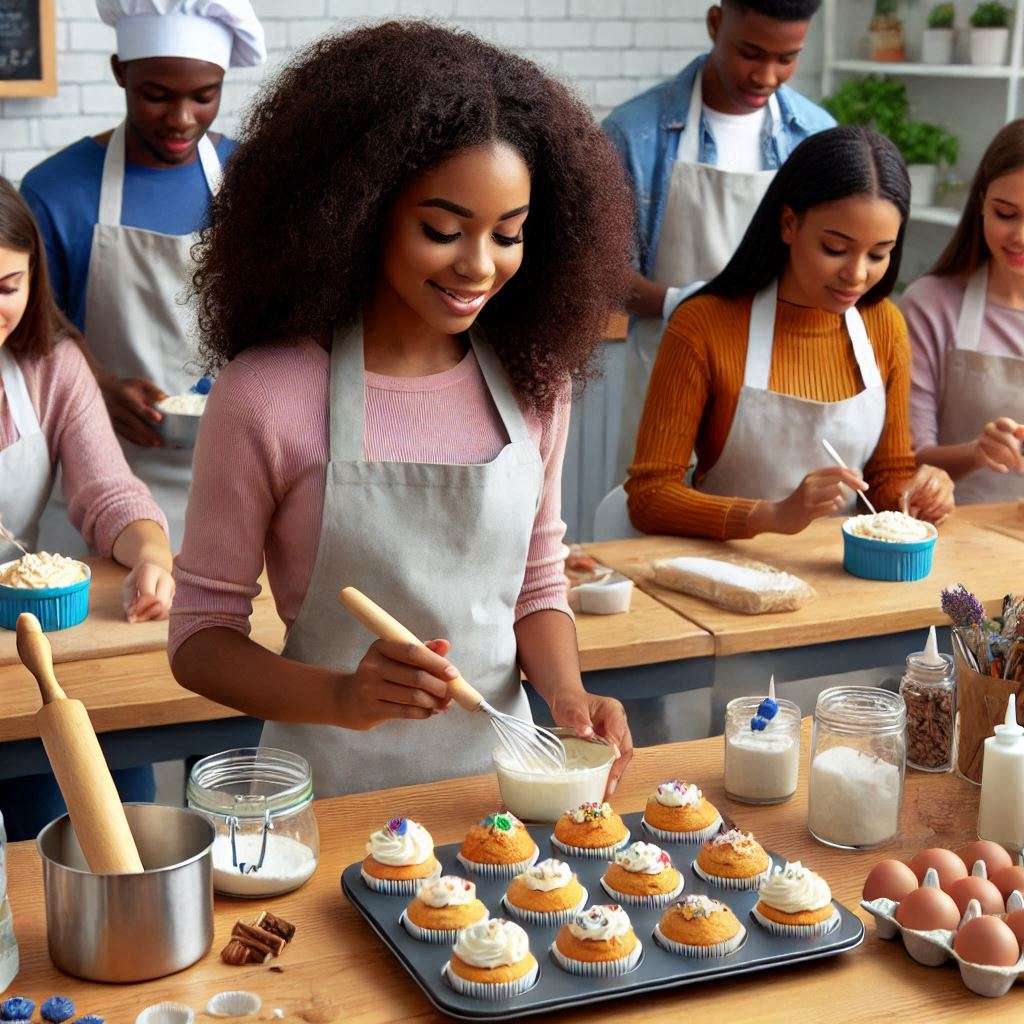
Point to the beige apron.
(441, 547)
(706, 215)
(137, 324)
(978, 388)
(26, 474)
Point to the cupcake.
(442, 908)
(498, 847)
(491, 960)
(400, 858)
(598, 942)
(642, 875)
(796, 903)
(701, 927)
(590, 830)
(678, 813)
(733, 860)
(548, 893)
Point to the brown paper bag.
(981, 706)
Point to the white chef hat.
(223, 32)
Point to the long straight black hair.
(832, 165)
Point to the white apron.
(978, 388)
(441, 547)
(26, 474)
(138, 324)
(707, 212)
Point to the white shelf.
(881, 67)
(935, 215)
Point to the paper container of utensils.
(981, 706)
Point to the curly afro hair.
(292, 243)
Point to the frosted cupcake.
(548, 893)
(491, 960)
(591, 830)
(442, 908)
(678, 813)
(796, 903)
(498, 847)
(733, 860)
(699, 926)
(400, 858)
(642, 875)
(598, 942)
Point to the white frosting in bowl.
(493, 943)
(547, 875)
(891, 527)
(42, 571)
(794, 888)
(447, 891)
(400, 842)
(601, 922)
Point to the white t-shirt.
(737, 138)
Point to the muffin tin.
(558, 990)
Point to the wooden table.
(336, 955)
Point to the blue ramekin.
(883, 560)
(54, 607)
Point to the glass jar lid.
(860, 710)
(250, 782)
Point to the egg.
(987, 940)
(948, 865)
(928, 909)
(891, 879)
(1008, 879)
(994, 856)
(1015, 922)
(963, 890)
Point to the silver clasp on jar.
(243, 867)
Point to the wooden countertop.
(335, 954)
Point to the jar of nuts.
(929, 690)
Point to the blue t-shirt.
(64, 194)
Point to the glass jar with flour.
(762, 756)
(260, 801)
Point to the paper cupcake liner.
(498, 870)
(438, 936)
(722, 882)
(398, 886)
(599, 969)
(483, 990)
(700, 952)
(540, 917)
(591, 853)
(661, 900)
(700, 836)
(798, 931)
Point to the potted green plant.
(875, 101)
(937, 41)
(990, 33)
(925, 147)
(886, 32)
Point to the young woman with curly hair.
(416, 247)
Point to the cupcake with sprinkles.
(548, 893)
(591, 830)
(733, 860)
(498, 847)
(701, 927)
(400, 858)
(642, 875)
(491, 960)
(795, 902)
(678, 813)
(598, 942)
(442, 908)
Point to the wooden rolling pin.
(76, 758)
(385, 626)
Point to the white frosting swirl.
(493, 943)
(547, 875)
(590, 812)
(893, 527)
(700, 905)
(601, 922)
(643, 858)
(794, 888)
(388, 847)
(447, 891)
(43, 570)
(678, 794)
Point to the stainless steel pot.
(131, 927)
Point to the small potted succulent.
(886, 31)
(990, 33)
(925, 147)
(937, 41)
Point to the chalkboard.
(27, 48)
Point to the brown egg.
(926, 909)
(987, 940)
(1008, 879)
(963, 890)
(891, 879)
(949, 866)
(1015, 922)
(994, 856)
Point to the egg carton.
(934, 948)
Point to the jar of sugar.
(858, 760)
(260, 801)
(762, 755)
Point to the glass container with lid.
(929, 690)
(761, 764)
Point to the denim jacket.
(646, 131)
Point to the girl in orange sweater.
(795, 341)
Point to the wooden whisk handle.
(37, 656)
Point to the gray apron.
(978, 388)
(443, 548)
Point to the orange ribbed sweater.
(695, 387)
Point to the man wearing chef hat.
(119, 214)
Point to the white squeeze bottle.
(1001, 814)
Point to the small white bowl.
(609, 596)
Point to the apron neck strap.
(500, 386)
(23, 413)
(972, 311)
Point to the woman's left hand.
(929, 495)
(589, 715)
(147, 593)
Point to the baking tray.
(555, 988)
